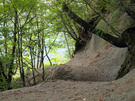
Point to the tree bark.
(127, 39)
(22, 68)
(39, 46)
(48, 56)
(42, 58)
(10, 73)
(119, 42)
(69, 28)
(31, 54)
(129, 63)
(5, 33)
(3, 78)
(67, 45)
(130, 8)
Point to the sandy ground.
(84, 90)
(91, 78)
(60, 90)
(101, 65)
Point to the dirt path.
(102, 65)
(119, 90)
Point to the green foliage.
(114, 5)
(3, 84)
(32, 21)
(58, 59)
(15, 85)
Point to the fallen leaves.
(96, 88)
(99, 100)
(113, 81)
(80, 97)
(84, 99)
(2, 98)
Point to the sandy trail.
(86, 67)
(60, 90)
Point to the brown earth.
(97, 62)
(89, 76)
(60, 90)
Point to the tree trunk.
(10, 73)
(39, 46)
(129, 63)
(67, 46)
(22, 69)
(3, 76)
(5, 33)
(48, 56)
(19, 55)
(3, 79)
(127, 39)
(31, 54)
(42, 57)
(117, 41)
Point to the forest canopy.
(31, 36)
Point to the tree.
(125, 40)
(14, 24)
(28, 34)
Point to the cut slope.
(100, 63)
(97, 62)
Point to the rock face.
(100, 61)
(97, 62)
